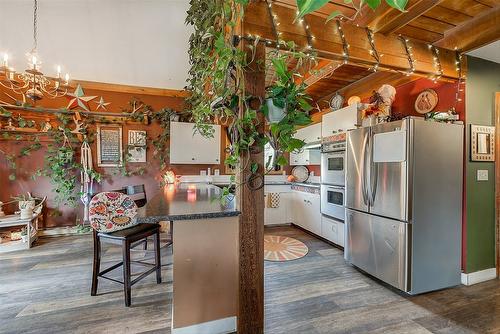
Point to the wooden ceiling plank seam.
(411, 13)
(469, 7)
(448, 15)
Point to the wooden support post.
(251, 205)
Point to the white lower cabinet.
(306, 211)
(332, 230)
(281, 214)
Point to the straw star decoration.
(78, 99)
(102, 104)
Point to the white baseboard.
(479, 276)
(220, 326)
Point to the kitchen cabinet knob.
(192, 159)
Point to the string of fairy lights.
(437, 62)
(345, 46)
(345, 55)
(409, 55)
(373, 51)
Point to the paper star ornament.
(78, 99)
(102, 104)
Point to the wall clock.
(336, 102)
(426, 101)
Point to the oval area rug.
(279, 248)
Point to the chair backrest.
(138, 194)
(112, 211)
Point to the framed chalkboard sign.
(109, 146)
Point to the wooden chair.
(112, 216)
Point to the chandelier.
(32, 83)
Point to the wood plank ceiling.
(450, 24)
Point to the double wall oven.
(333, 159)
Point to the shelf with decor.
(11, 223)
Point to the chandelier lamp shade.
(32, 83)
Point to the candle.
(5, 60)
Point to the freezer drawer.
(378, 246)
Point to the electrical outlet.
(482, 175)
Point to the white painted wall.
(133, 42)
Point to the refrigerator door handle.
(373, 175)
(364, 186)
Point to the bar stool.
(112, 216)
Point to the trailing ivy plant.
(216, 82)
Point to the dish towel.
(273, 200)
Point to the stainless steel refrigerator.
(404, 203)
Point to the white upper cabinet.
(305, 157)
(190, 147)
(340, 120)
(310, 133)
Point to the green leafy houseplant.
(309, 6)
(285, 93)
(216, 82)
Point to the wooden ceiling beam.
(320, 72)
(397, 19)
(328, 44)
(474, 33)
(129, 89)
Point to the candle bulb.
(66, 78)
(33, 61)
(5, 60)
(58, 71)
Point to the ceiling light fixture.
(32, 83)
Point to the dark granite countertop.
(184, 201)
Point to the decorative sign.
(137, 145)
(426, 101)
(109, 146)
(482, 142)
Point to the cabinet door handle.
(192, 159)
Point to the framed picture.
(482, 141)
(137, 145)
(109, 146)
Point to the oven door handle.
(336, 188)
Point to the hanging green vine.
(216, 82)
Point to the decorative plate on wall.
(336, 102)
(426, 101)
(301, 173)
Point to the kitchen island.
(205, 255)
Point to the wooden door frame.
(497, 179)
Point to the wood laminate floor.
(46, 290)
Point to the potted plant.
(24, 234)
(26, 205)
(287, 107)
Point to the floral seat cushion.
(112, 211)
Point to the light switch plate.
(482, 175)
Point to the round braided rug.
(279, 248)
